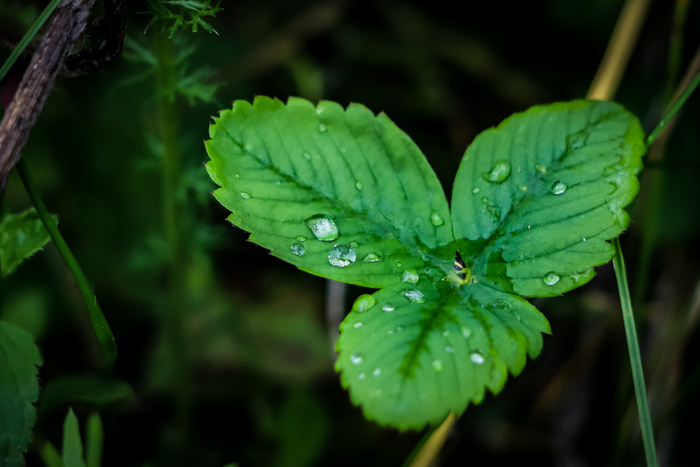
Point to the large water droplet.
(477, 358)
(377, 371)
(388, 307)
(298, 249)
(436, 219)
(551, 278)
(371, 258)
(437, 365)
(558, 188)
(356, 358)
(341, 255)
(414, 295)
(244, 195)
(322, 227)
(363, 303)
(498, 173)
(410, 276)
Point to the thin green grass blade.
(28, 37)
(99, 322)
(673, 110)
(635, 356)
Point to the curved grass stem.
(104, 333)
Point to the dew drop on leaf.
(477, 358)
(466, 332)
(449, 349)
(541, 168)
(398, 265)
(298, 249)
(341, 255)
(301, 238)
(371, 258)
(358, 185)
(377, 371)
(244, 195)
(551, 278)
(558, 188)
(388, 307)
(354, 244)
(501, 304)
(322, 127)
(390, 331)
(484, 200)
(356, 358)
(410, 276)
(357, 325)
(363, 303)
(445, 333)
(523, 187)
(414, 295)
(361, 375)
(307, 156)
(322, 227)
(498, 173)
(437, 364)
(399, 328)
(436, 219)
(476, 190)
(278, 183)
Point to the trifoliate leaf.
(19, 391)
(21, 235)
(536, 198)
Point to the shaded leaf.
(19, 391)
(21, 235)
(72, 444)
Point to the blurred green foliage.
(262, 390)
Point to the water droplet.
(558, 188)
(517, 316)
(278, 183)
(377, 371)
(343, 150)
(523, 187)
(301, 238)
(437, 364)
(354, 244)
(388, 307)
(445, 333)
(476, 190)
(341, 255)
(249, 147)
(399, 328)
(501, 304)
(322, 127)
(449, 349)
(361, 375)
(238, 175)
(551, 278)
(319, 110)
(355, 358)
(436, 219)
(484, 200)
(398, 265)
(307, 156)
(390, 331)
(498, 173)
(584, 239)
(414, 295)
(410, 276)
(244, 195)
(541, 168)
(477, 358)
(363, 303)
(358, 185)
(466, 332)
(371, 258)
(357, 325)
(298, 249)
(322, 227)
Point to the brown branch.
(67, 23)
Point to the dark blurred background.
(250, 378)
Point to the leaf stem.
(17, 51)
(635, 356)
(104, 333)
(431, 446)
(674, 109)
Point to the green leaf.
(345, 194)
(19, 391)
(21, 235)
(50, 455)
(409, 362)
(93, 440)
(72, 444)
(325, 188)
(536, 199)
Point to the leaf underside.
(21, 235)
(346, 195)
(19, 391)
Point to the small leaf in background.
(21, 235)
(536, 199)
(72, 444)
(93, 440)
(89, 389)
(19, 391)
(346, 195)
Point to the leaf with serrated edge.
(433, 339)
(279, 165)
(21, 235)
(541, 230)
(19, 391)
